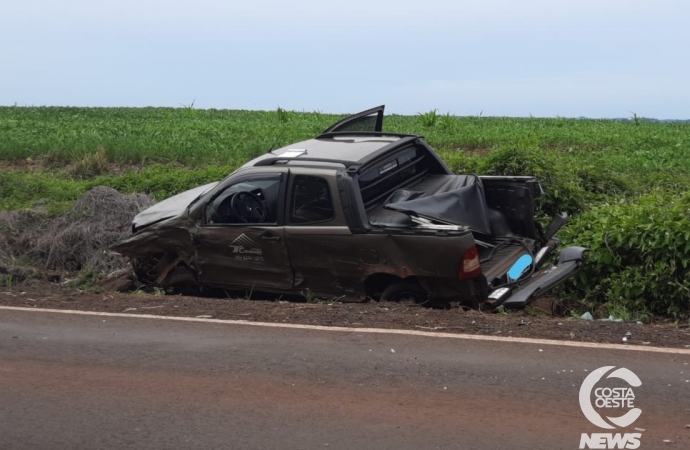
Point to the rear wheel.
(404, 291)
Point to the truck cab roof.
(351, 142)
(347, 149)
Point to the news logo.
(609, 398)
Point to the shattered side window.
(310, 200)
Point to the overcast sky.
(594, 58)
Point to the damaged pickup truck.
(355, 213)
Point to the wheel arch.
(376, 283)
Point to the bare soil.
(660, 333)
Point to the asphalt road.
(93, 382)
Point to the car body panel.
(170, 235)
(170, 207)
(338, 148)
(243, 257)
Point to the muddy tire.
(404, 291)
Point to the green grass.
(55, 191)
(200, 137)
(139, 136)
(72, 146)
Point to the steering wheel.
(248, 207)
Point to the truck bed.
(502, 259)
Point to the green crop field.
(626, 182)
(200, 137)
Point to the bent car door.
(369, 120)
(324, 257)
(241, 237)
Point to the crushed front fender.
(152, 241)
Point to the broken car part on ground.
(355, 213)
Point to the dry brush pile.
(77, 240)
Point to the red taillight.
(470, 267)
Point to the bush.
(640, 254)
(600, 180)
(562, 189)
(91, 165)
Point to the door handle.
(269, 237)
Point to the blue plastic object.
(520, 266)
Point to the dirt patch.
(481, 151)
(379, 315)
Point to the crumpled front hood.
(170, 207)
